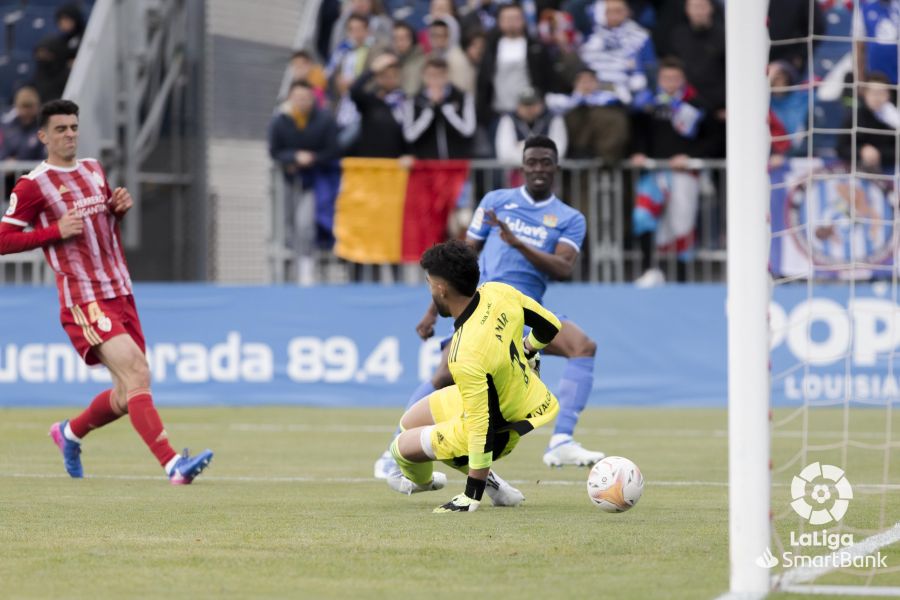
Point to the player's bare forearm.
(474, 244)
(557, 266)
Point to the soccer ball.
(615, 484)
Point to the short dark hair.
(409, 29)
(57, 107)
(541, 141)
(303, 53)
(436, 62)
(439, 22)
(510, 6)
(455, 262)
(671, 62)
(878, 77)
(358, 17)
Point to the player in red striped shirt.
(75, 218)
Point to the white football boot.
(400, 483)
(650, 279)
(501, 493)
(570, 452)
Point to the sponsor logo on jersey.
(13, 201)
(536, 232)
(551, 220)
(510, 206)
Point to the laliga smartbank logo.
(812, 506)
(821, 494)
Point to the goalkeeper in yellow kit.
(497, 397)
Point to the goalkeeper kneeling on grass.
(497, 396)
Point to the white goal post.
(747, 50)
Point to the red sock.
(100, 412)
(147, 423)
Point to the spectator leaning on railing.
(302, 138)
(440, 120)
(875, 152)
(596, 128)
(668, 126)
(381, 104)
(530, 118)
(19, 129)
(700, 44)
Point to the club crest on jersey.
(104, 324)
(551, 220)
(63, 189)
(13, 201)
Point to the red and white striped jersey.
(90, 266)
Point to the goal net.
(832, 435)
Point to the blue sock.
(574, 391)
(425, 388)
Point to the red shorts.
(89, 325)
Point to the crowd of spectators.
(616, 80)
(53, 56)
(509, 69)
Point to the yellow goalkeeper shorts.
(449, 437)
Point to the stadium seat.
(36, 23)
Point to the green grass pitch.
(289, 509)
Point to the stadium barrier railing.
(603, 193)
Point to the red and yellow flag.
(386, 213)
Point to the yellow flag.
(368, 220)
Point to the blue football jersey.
(542, 225)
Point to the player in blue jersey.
(528, 237)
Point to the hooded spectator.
(410, 57)
(70, 22)
(51, 69)
(461, 70)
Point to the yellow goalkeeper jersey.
(487, 360)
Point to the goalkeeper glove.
(459, 503)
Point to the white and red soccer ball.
(615, 484)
